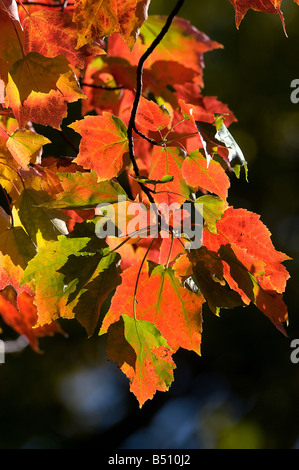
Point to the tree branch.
(139, 86)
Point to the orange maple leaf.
(104, 145)
(20, 313)
(267, 6)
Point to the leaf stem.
(170, 130)
(24, 8)
(138, 276)
(170, 251)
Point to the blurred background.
(244, 390)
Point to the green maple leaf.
(36, 219)
(143, 355)
(66, 269)
(83, 191)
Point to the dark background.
(244, 390)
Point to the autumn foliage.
(148, 135)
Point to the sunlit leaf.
(52, 33)
(82, 191)
(104, 145)
(199, 175)
(151, 116)
(161, 300)
(103, 18)
(23, 144)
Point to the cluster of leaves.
(148, 135)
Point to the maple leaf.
(199, 175)
(245, 229)
(98, 277)
(37, 73)
(16, 249)
(104, 145)
(142, 354)
(268, 301)
(241, 7)
(216, 137)
(10, 178)
(51, 291)
(212, 209)
(105, 82)
(52, 33)
(168, 64)
(169, 161)
(11, 42)
(126, 219)
(19, 312)
(161, 300)
(60, 290)
(37, 220)
(83, 191)
(24, 145)
(189, 104)
(251, 245)
(151, 116)
(49, 171)
(39, 89)
(101, 19)
(268, 6)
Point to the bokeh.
(243, 392)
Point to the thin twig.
(68, 141)
(151, 141)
